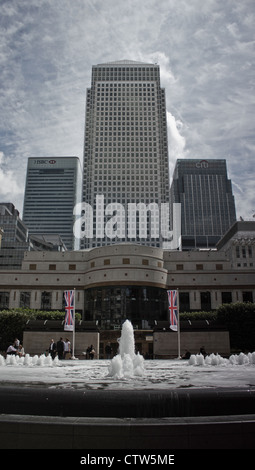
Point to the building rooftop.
(245, 228)
(125, 62)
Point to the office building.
(113, 283)
(53, 188)
(125, 152)
(130, 281)
(14, 237)
(207, 202)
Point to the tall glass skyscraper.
(125, 152)
(53, 188)
(207, 202)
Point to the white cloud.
(176, 142)
(10, 191)
(206, 55)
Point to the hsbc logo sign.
(44, 162)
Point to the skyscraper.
(125, 152)
(53, 188)
(14, 237)
(207, 203)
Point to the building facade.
(53, 188)
(125, 152)
(14, 237)
(16, 240)
(130, 281)
(207, 203)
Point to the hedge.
(13, 322)
(238, 317)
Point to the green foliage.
(239, 318)
(210, 316)
(13, 322)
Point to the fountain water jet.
(127, 363)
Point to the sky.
(205, 50)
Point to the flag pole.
(178, 327)
(73, 356)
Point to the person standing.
(108, 351)
(53, 349)
(60, 348)
(91, 352)
(67, 347)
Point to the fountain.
(127, 363)
(127, 393)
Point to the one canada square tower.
(125, 153)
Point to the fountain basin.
(127, 403)
(174, 405)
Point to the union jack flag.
(173, 308)
(69, 308)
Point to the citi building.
(203, 189)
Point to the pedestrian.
(16, 343)
(91, 352)
(108, 351)
(67, 348)
(60, 348)
(87, 352)
(53, 349)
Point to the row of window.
(111, 305)
(122, 74)
(25, 300)
(145, 262)
(120, 86)
(244, 251)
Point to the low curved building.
(130, 281)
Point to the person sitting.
(11, 350)
(186, 355)
(21, 351)
(202, 351)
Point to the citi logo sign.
(202, 164)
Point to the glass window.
(4, 300)
(226, 297)
(25, 299)
(46, 300)
(205, 298)
(247, 296)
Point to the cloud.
(10, 191)
(176, 141)
(206, 55)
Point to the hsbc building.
(53, 188)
